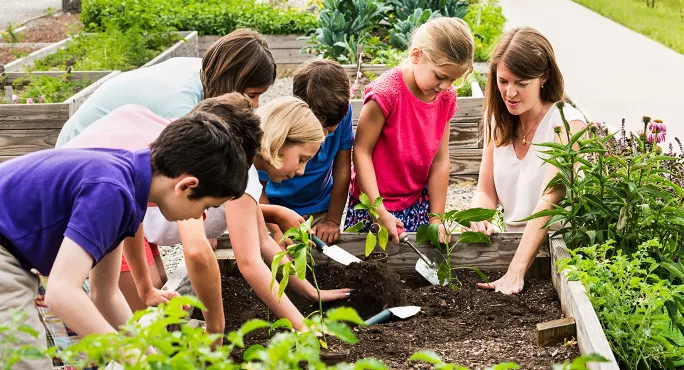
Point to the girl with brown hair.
(523, 86)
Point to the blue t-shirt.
(169, 89)
(95, 197)
(310, 193)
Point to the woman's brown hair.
(528, 54)
(237, 61)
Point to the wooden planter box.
(183, 48)
(574, 301)
(284, 48)
(465, 142)
(26, 128)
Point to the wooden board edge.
(29, 60)
(575, 303)
(190, 40)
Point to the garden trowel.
(390, 313)
(424, 266)
(336, 253)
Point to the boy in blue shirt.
(322, 190)
(65, 213)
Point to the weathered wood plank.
(188, 47)
(39, 116)
(557, 331)
(576, 304)
(465, 161)
(20, 142)
(403, 259)
(469, 110)
(464, 135)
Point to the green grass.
(664, 23)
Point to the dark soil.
(11, 54)
(471, 327)
(51, 29)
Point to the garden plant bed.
(12, 53)
(471, 327)
(26, 128)
(442, 309)
(186, 47)
(48, 29)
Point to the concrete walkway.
(611, 71)
(19, 11)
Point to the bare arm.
(485, 194)
(65, 296)
(203, 272)
(438, 177)
(370, 126)
(329, 229)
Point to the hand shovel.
(335, 253)
(390, 313)
(425, 267)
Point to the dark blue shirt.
(95, 197)
(310, 193)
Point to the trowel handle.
(384, 316)
(318, 242)
(403, 237)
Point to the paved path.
(18, 11)
(612, 71)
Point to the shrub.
(486, 22)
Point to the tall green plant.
(372, 239)
(616, 189)
(401, 31)
(402, 9)
(453, 221)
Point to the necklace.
(524, 138)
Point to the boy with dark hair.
(322, 191)
(66, 212)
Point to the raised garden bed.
(48, 29)
(187, 47)
(472, 327)
(26, 128)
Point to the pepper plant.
(372, 240)
(453, 221)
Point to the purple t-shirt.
(95, 197)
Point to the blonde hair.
(528, 54)
(445, 41)
(287, 120)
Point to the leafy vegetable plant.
(372, 240)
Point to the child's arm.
(203, 272)
(134, 252)
(485, 195)
(438, 178)
(65, 296)
(329, 229)
(279, 219)
(370, 125)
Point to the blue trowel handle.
(319, 243)
(383, 317)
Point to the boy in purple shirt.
(65, 213)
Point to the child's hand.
(390, 222)
(155, 297)
(332, 295)
(484, 227)
(287, 219)
(328, 231)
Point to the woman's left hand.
(511, 283)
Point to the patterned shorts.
(412, 217)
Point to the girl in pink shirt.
(401, 150)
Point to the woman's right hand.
(483, 226)
(390, 222)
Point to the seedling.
(372, 240)
(452, 222)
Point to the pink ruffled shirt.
(409, 140)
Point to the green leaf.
(355, 228)
(675, 269)
(300, 263)
(371, 240)
(428, 232)
(427, 356)
(365, 200)
(360, 207)
(378, 202)
(474, 237)
(284, 280)
(252, 325)
(506, 366)
(545, 213)
(281, 323)
(345, 314)
(383, 237)
(252, 353)
(467, 216)
(275, 266)
(369, 364)
(444, 272)
(342, 332)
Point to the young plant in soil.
(372, 240)
(452, 222)
(45, 89)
